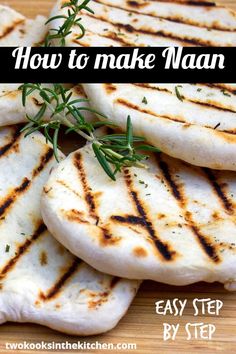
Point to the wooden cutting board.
(141, 325)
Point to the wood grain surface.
(141, 325)
(33, 7)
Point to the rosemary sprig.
(69, 20)
(113, 151)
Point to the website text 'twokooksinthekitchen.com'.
(80, 345)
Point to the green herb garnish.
(144, 100)
(178, 94)
(225, 93)
(70, 20)
(7, 249)
(113, 151)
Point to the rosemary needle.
(113, 151)
(69, 20)
(178, 94)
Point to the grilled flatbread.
(196, 124)
(155, 23)
(17, 30)
(173, 223)
(40, 281)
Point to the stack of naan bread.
(174, 222)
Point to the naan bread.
(40, 281)
(154, 23)
(173, 223)
(200, 128)
(17, 30)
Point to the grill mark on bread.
(9, 146)
(130, 29)
(55, 289)
(213, 104)
(82, 44)
(179, 195)
(131, 105)
(131, 219)
(173, 186)
(11, 27)
(221, 86)
(162, 247)
(161, 33)
(75, 215)
(175, 189)
(229, 134)
(43, 161)
(135, 4)
(227, 204)
(143, 220)
(110, 88)
(22, 250)
(190, 2)
(107, 34)
(86, 189)
(107, 237)
(12, 197)
(69, 188)
(207, 245)
(115, 36)
(173, 17)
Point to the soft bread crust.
(172, 223)
(40, 281)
